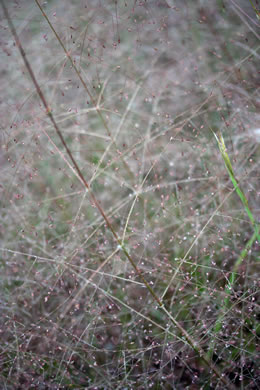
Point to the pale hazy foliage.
(163, 74)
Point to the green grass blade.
(224, 154)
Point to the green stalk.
(232, 278)
(224, 154)
(226, 304)
(257, 12)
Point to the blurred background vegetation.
(164, 75)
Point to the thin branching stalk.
(77, 71)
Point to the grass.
(129, 241)
(232, 278)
